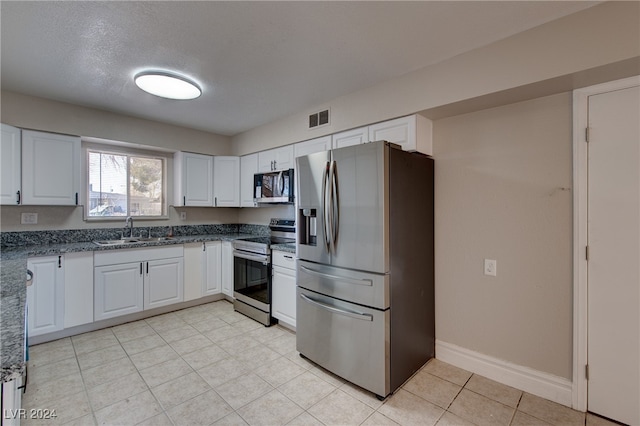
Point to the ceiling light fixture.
(167, 85)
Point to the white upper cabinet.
(50, 168)
(412, 133)
(193, 176)
(248, 168)
(312, 146)
(10, 162)
(276, 159)
(226, 181)
(350, 137)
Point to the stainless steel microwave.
(274, 187)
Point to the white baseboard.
(544, 385)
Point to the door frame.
(580, 211)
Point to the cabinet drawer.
(142, 254)
(283, 259)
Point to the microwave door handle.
(280, 184)
(325, 215)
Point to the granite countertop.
(289, 248)
(13, 267)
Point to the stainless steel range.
(252, 270)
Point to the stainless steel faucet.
(129, 222)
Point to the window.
(124, 184)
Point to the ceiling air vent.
(319, 119)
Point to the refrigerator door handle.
(356, 315)
(335, 205)
(325, 215)
(363, 281)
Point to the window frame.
(124, 150)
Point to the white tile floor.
(209, 365)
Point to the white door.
(248, 167)
(10, 158)
(45, 295)
(614, 255)
(226, 265)
(50, 169)
(163, 282)
(226, 181)
(118, 290)
(212, 272)
(350, 137)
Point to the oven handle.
(356, 315)
(249, 256)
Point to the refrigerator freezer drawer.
(362, 288)
(349, 340)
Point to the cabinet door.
(412, 133)
(163, 283)
(248, 168)
(45, 296)
(312, 146)
(50, 169)
(193, 270)
(118, 290)
(193, 179)
(350, 137)
(227, 268)
(10, 162)
(226, 181)
(276, 159)
(284, 295)
(78, 288)
(212, 272)
(12, 402)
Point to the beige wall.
(599, 38)
(502, 191)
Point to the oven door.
(252, 279)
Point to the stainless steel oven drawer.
(363, 288)
(349, 340)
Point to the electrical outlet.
(490, 267)
(29, 218)
(183, 215)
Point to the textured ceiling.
(256, 61)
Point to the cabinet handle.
(140, 268)
(215, 201)
(204, 247)
(288, 257)
(184, 200)
(59, 261)
(147, 268)
(18, 200)
(76, 198)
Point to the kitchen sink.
(135, 240)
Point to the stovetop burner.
(283, 231)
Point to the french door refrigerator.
(365, 274)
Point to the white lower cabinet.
(193, 270)
(227, 268)
(45, 295)
(283, 288)
(128, 281)
(212, 272)
(78, 288)
(118, 290)
(163, 282)
(12, 402)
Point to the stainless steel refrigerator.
(365, 277)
